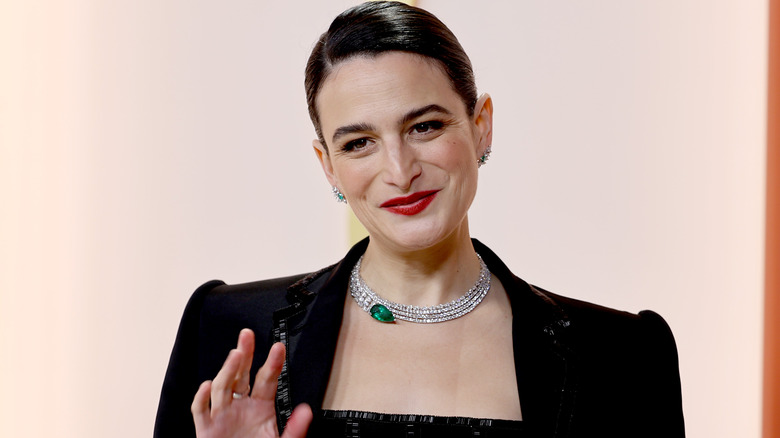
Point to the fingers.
(222, 387)
(200, 406)
(265, 382)
(246, 345)
(299, 422)
(233, 378)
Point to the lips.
(412, 204)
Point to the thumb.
(299, 422)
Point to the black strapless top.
(359, 424)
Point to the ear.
(327, 166)
(483, 121)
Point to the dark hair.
(375, 27)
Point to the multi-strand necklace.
(387, 311)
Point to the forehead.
(371, 87)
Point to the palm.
(248, 415)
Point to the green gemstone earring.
(483, 159)
(338, 195)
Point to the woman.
(365, 347)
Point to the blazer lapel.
(312, 332)
(544, 363)
(546, 370)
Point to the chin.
(418, 238)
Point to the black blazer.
(582, 370)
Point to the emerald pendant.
(382, 313)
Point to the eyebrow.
(349, 129)
(411, 115)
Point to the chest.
(464, 367)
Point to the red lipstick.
(410, 205)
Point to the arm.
(202, 341)
(627, 374)
(662, 389)
(181, 380)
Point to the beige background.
(148, 146)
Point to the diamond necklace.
(387, 311)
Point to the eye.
(426, 127)
(359, 143)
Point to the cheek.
(354, 176)
(455, 155)
(461, 166)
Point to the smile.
(410, 205)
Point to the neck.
(422, 277)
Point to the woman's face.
(402, 147)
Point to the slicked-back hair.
(372, 28)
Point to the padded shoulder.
(227, 309)
(627, 370)
(214, 315)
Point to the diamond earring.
(338, 195)
(483, 159)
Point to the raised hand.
(235, 412)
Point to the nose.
(401, 165)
